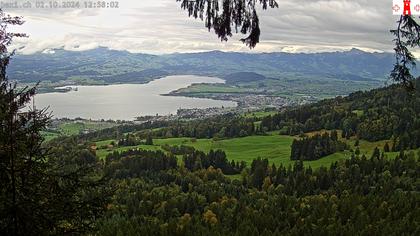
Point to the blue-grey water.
(127, 101)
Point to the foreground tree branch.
(407, 37)
(222, 16)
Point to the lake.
(127, 101)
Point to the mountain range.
(103, 65)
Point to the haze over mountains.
(111, 66)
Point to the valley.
(209, 118)
(276, 80)
(247, 136)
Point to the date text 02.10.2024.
(77, 4)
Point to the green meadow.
(73, 128)
(274, 147)
(69, 128)
(259, 114)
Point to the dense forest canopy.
(359, 196)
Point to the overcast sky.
(160, 26)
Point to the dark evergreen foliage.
(198, 160)
(407, 37)
(132, 163)
(386, 147)
(316, 147)
(178, 150)
(225, 126)
(42, 192)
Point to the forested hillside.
(154, 195)
(386, 113)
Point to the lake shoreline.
(133, 99)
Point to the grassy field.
(260, 114)
(274, 147)
(103, 152)
(50, 135)
(72, 128)
(69, 128)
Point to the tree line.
(197, 160)
(316, 147)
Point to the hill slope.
(386, 113)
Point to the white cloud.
(160, 26)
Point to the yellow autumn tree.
(210, 217)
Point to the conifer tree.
(386, 147)
(41, 193)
